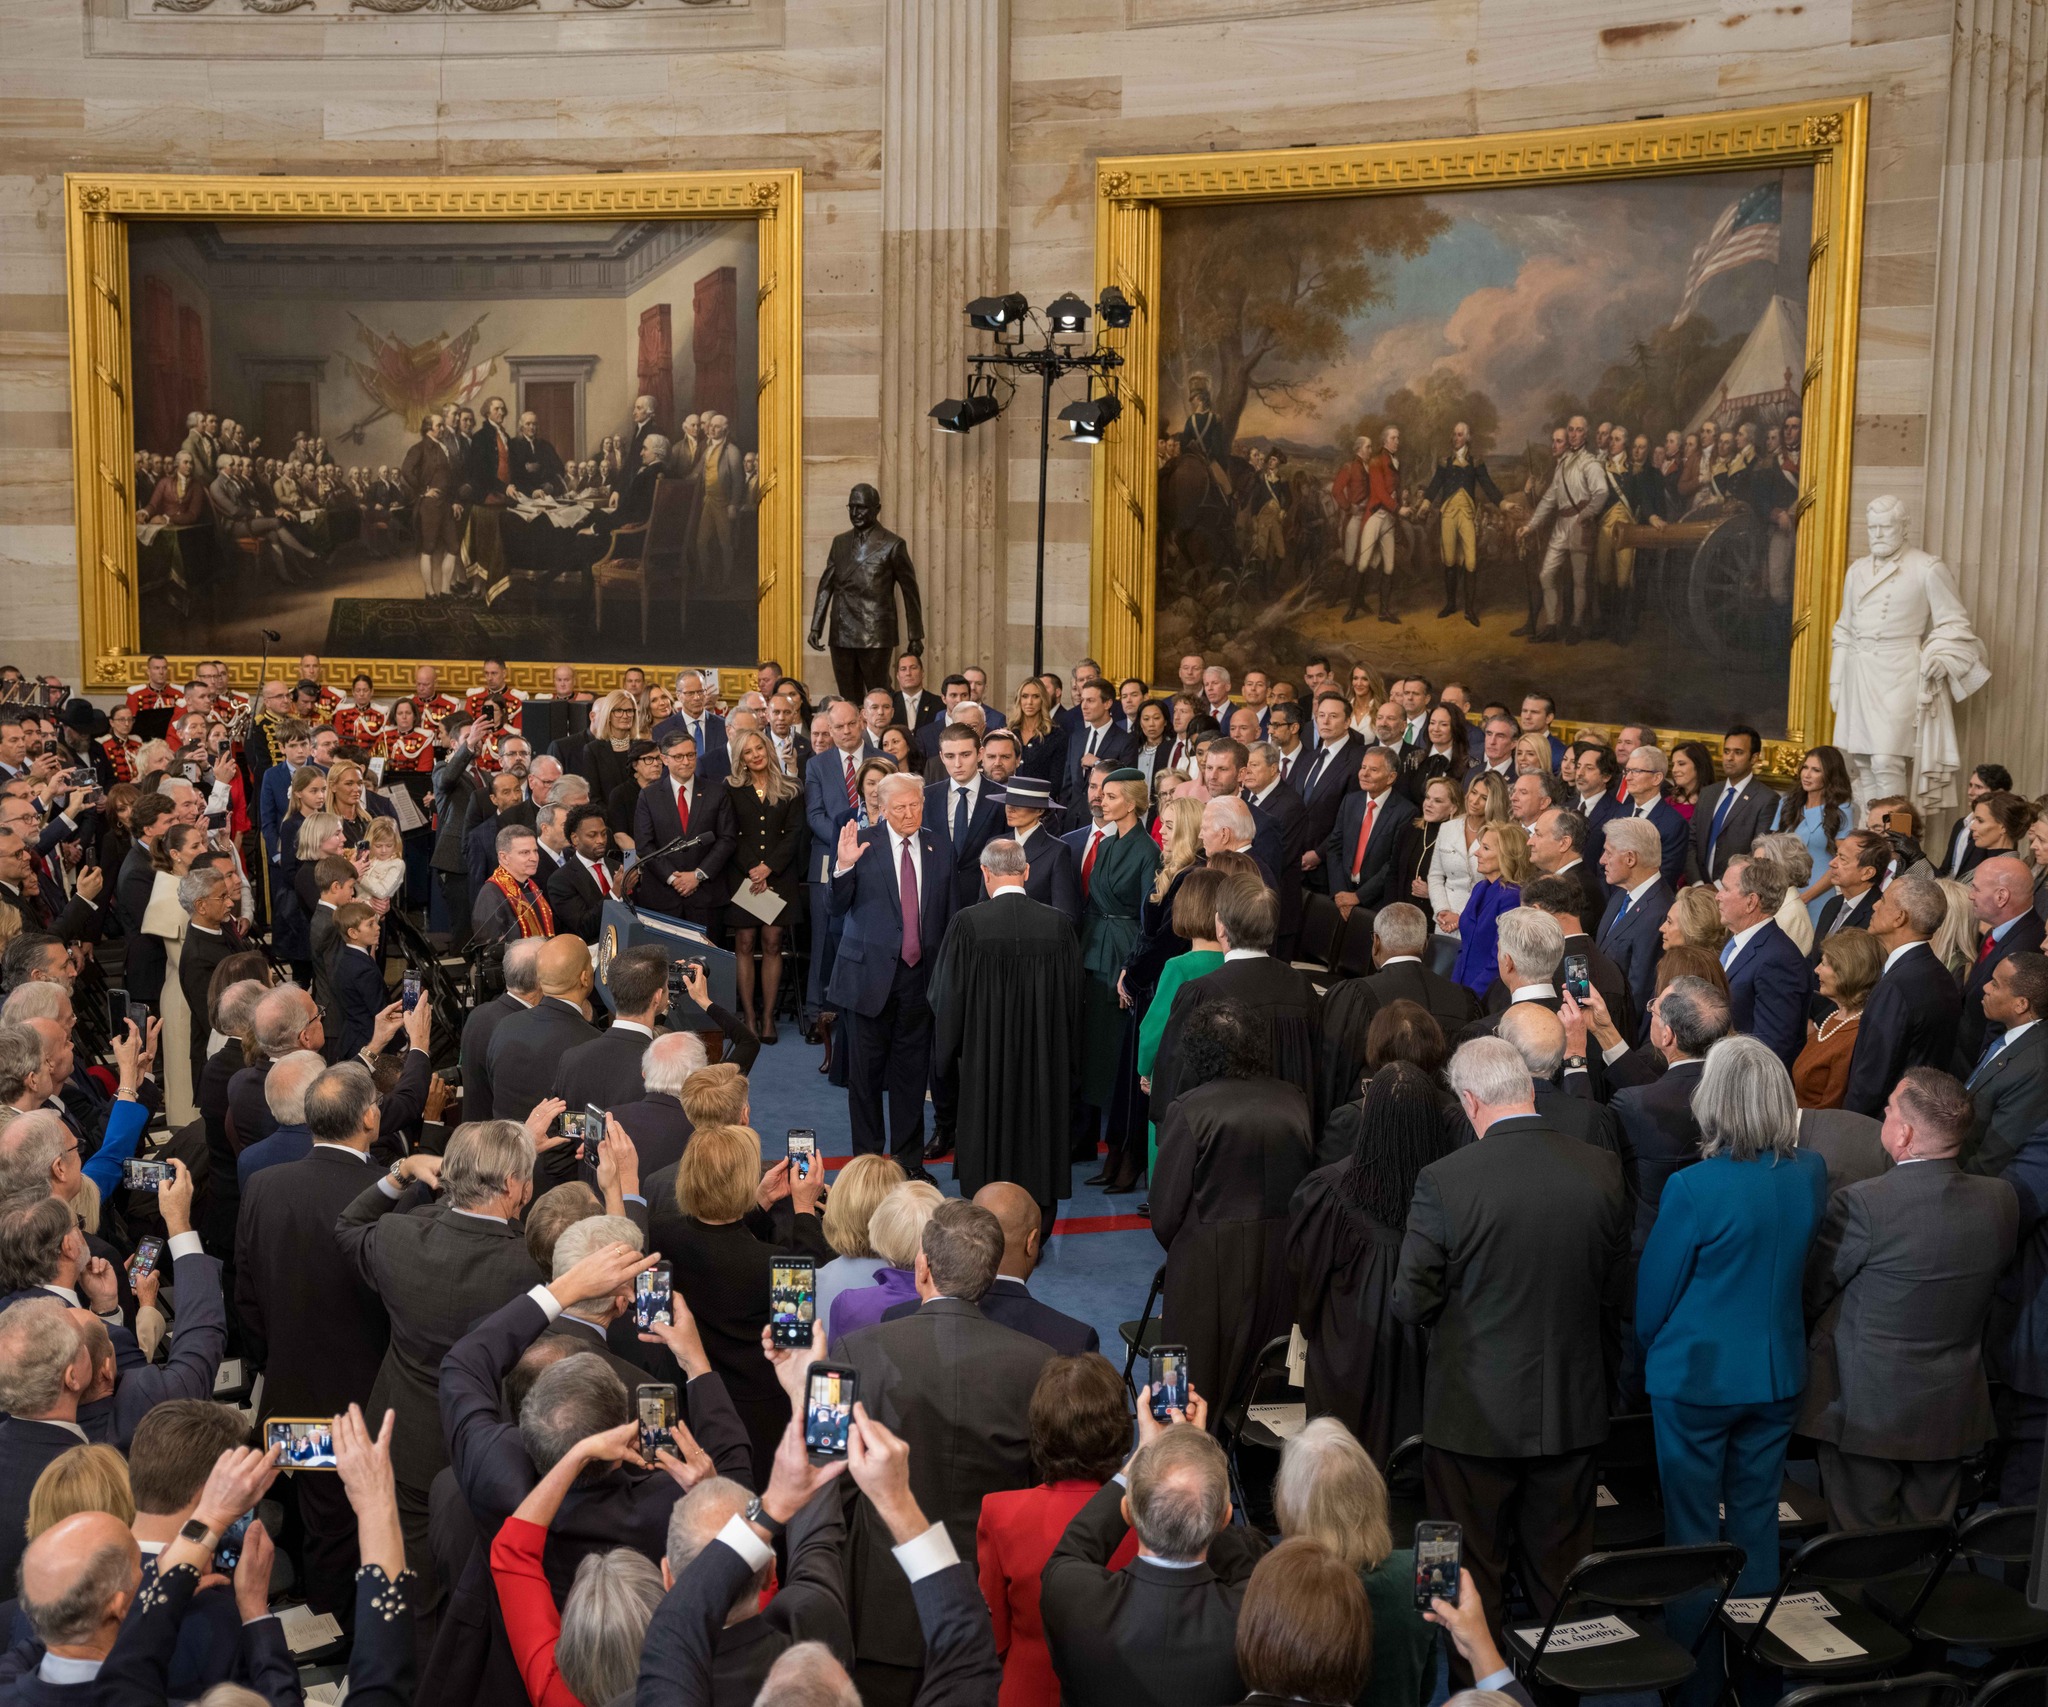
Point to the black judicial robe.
(1006, 1011)
(1365, 1368)
(1267, 986)
(1231, 1155)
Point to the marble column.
(944, 151)
(1988, 415)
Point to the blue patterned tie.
(1720, 818)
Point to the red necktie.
(1364, 835)
(1088, 862)
(683, 807)
(1984, 953)
(852, 793)
(604, 886)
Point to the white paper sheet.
(1812, 1637)
(1748, 1609)
(1284, 1420)
(305, 1630)
(1603, 1499)
(1602, 1632)
(766, 906)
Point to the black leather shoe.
(939, 1147)
(920, 1174)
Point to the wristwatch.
(1575, 1063)
(198, 1534)
(756, 1515)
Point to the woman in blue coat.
(1718, 1308)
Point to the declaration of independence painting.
(521, 439)
(1515, 435)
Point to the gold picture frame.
(98, 209)
(1132, 193)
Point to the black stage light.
(1088, 421)
(1068, 315)
(1114, 307)
(964, 414)
(997, 313)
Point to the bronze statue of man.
(863, 569)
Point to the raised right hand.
(851, 847)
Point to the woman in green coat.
(1194, 921)
(1114, 884)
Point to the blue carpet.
(1101, 1277)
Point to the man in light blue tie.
(2009, 1083)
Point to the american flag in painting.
(1746, 231)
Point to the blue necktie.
(1727, 953)
(1720, 818)
(1984, 1060)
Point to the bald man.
(78, 1579)
(2002, 903)
(527, 1048)
(1008, 1300)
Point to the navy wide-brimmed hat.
(1030, 792)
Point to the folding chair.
(1922, 1689)
(1829, 1565)
(1241, 1428)
(1964, 1608)
(1405, 1502)
(2027, 1687)
(1642, 1580)
(1141, 1336)
(1315, 943)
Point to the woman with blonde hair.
(1118, 867)
(350, 800)
(1500, 864)
(1532, 756)
(607, 756)
(1041, 743)
(768, 810)
(1180, 844)
(1851, 962)
(849, 1216)
(1329, 1491)
(1365, 698)
(1955, 944)
(86, 1478)
(1450, 868)
(1695, 917)
(896, 1231)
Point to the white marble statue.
(1904, 652)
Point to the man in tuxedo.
(1515, 1259)
(893, 885)
(656, 1121)
(964, 811)
(1770, 985)
(1557, 847)
(45, 1370)
(2002, 902)
(1631, 929)
(1272, 801)
(1733, 812)
(527, 1048)
(522, 991)
(1898, 1288)
(589, 876)
(1051, 879)
(1643, 777)
(1358, 855)
(1330, 778)
(2008, 1082)
(957, 1387)
(309, 1321)
(1911, 1016)
(1095, 743)
(606, 1069)
(1856, 868)
(684, 882)
(915, 705)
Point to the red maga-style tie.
(1364, 835)
(683, 807)
(1088, 862)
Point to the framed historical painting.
(1565, 410)
(389, 420)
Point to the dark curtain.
(658, 364)
(192, 386)
(714, 344)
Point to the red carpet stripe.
(1101, 1224)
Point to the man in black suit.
(1560, 897)
(1008, 1299)
(1330, 778)
(1530, 951)
(45, 1371)
(1734, 811)
(1689, 1018)
(143, 971)
(1911, 1016)
(309, 1320)
(687, 881)
(957, 1386)
(1358, 855)
(1094, 743)
(1538, 1036)
(1274, 801)
(2002, 902)
(1643, 776)
(1400, 934)
(964, 810)
(1630, 930)
(1899, 1285)
(1164, 1628)
(2008, 1083)
(1515, 1259)
(606, 1069)
(526, 1050)
(1557, 848)
(437, 1265)
(335, 877)
(657, 1122)
(1856, 869)
(914, 705)
(589, 876)
(522, 991)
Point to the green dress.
(1121, 878)
(1176, 972)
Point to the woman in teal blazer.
(1718, 1308)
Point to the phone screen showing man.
(653, 1294)
(1169, 1381)
(308, 1442)
(656, 1405)
(828, 1412)
(792, 1300)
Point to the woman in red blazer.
(1080, 1436)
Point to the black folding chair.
(1955, 1608)
(1829, 1565)
(1141, 1336)
(1640, 1581)
(1628, 1477)
(1354, 953)
(2027, 1687)
(1922, 1689)
(1315, 943)
(1241, 1428)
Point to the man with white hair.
(1229, 827)
(284, 1090)
(584, 1321)
(1911, 1015)
(1515, 1259)
(45, 1371)
(1630, 932)
(655, 1121)
(643, 427)
(1642, 778)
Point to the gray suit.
(1847, 1142)
(2010, 1092)
(1898, 1286)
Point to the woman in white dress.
(1450, 869)
(166, 919)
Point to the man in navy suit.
(1332, 774)
(831, 791)
(1769, 982)
(1910, 1017)
(965, 810)
(1856, 870)
(704, 727)
(1095, 743)
(1359, 855)
(45, 1370)
(1734, 811)
(2002, 901)
(1051, 880)
(915, 704)
(684, 883)
(893, 884)
(1643, 777)
(1008, 1299)
(1631, 929)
